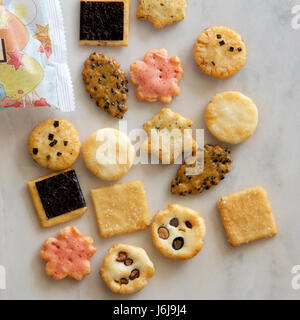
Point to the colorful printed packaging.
(33, 56)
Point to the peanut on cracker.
(178, 232)
(126, 269)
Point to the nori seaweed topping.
(102, 21)
(60, 194)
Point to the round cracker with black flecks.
(126, 269)
(220, 52)
(106, 83)
(178, 232)
(206, 170)
(55, 144)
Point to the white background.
(270, 158)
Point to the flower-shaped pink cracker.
(68, 254)
(157, 76)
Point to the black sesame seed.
(35, 150)
(221, 43)
(56, 124)
(59, 154)
(99, 80)
(104, 76)
(66, 143)
(53, 143)
(213, 63)
(50, 136)
(231, 49)
(219, 36)
(240, 49)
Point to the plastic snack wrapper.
(33, 56)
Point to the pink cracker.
(157, 76)
(68, 254)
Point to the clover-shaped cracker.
(167, 136)
(68, 254)
(157, 76)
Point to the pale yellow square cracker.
(121, 208)
(247, 216)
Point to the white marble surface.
(271, 158)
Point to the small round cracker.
(55, 144)
(126, 269)
(108, 154)
(220, 52)
(231, 117)
(178, 232)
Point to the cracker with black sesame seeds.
(106, 84)
(54, 144)
(220, 52)
(161, 12)
(216, 165)
(168, 136)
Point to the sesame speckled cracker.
(178, 232)
(54, 144)
(121, 208)
(166, 136)
(106, 83)
(220, 52)
(216, 165)
(104, 23)
(247, 216)
(161, 12)
(126, 269)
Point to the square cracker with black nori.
(57, 198)
(104, 22)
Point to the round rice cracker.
(178, 232)
(55, 144)
(126, 269)
(108, 154)
(231, 117)
(220, 52)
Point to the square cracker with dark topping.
(104, 23)
(57, 198)
(247, 216)
(121, 208)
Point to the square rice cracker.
(121, 208)
(247, 216)
(41, 213)
(111, 43)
